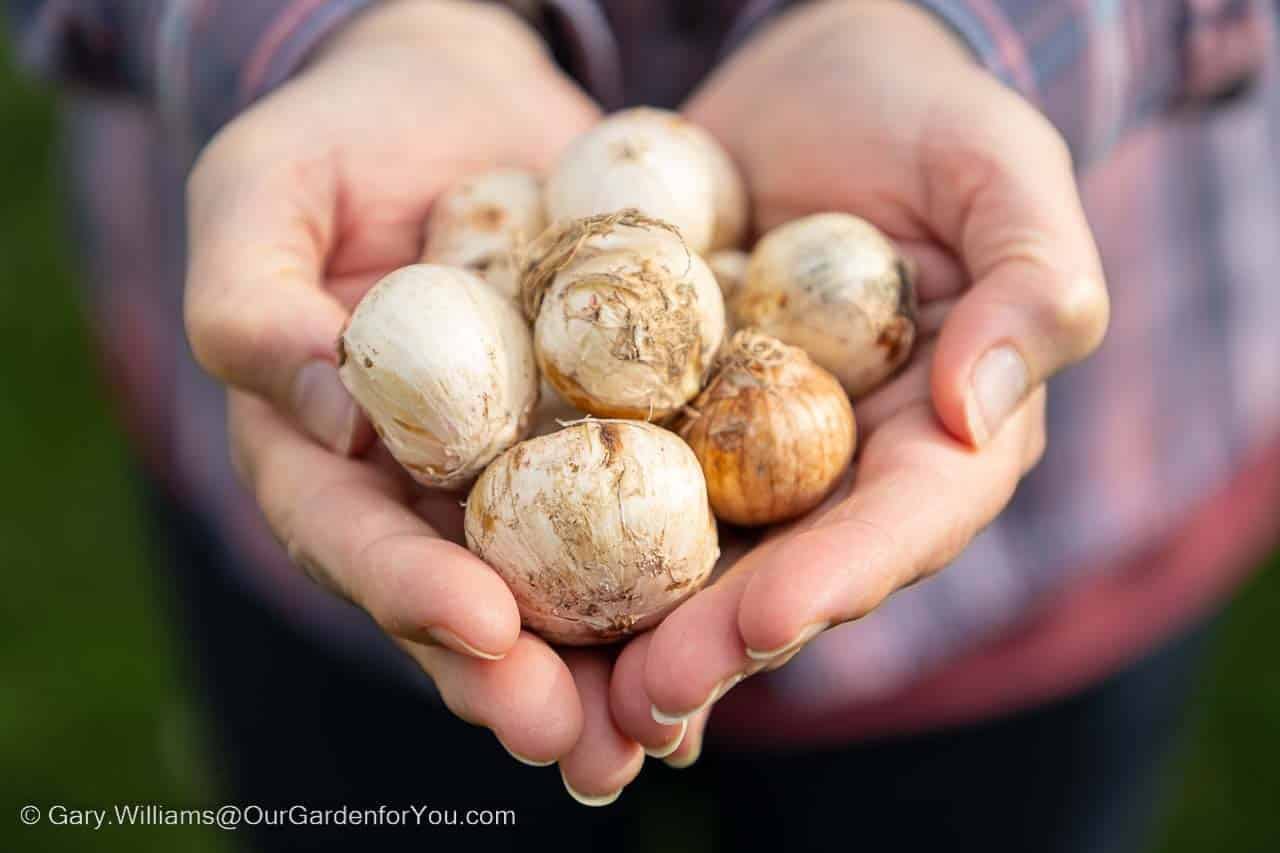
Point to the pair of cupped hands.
(867, 106)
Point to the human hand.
(876, 108)
(295, 209)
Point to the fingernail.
(450, 640)
(671, 745)
(529, 761)
(1000, 381)
(594, 802)
(684, 761)
(773, 663)
(781, 661)
(722, 688)
(671, 719)
(799, 640)
(324, 407)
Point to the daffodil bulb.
(659, 163)
(626, 319)
(479, 222)
(443, 366)
(835, 286)
(772, 430)
(600, 528)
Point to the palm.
(915, 151)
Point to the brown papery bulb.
(835, 286)
(599, 528)
(626, 319)
(772, 430)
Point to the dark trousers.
(294, 725)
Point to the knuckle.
(206, 333)
(1052, 144)
(1079, 314)
(227, 154)
(229, 340)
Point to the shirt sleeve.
(1099, 69)
(198, 62)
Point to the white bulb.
(627, 321)
(834, 286)
(443, 366)
(650, 160)
(599, 528)
(480, 221)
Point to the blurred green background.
(93, 708)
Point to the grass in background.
(91, 711)
(1227, 794)
(91, 707)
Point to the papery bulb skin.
(443, 366)
(835, 286)
(599, 528)
(773, 431)
(658, 163)
(479, 222)
(626, 319)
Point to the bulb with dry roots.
(662, 165)
(600, 528)
(835, 286)
(478, 223)
(772, 430)
(626, 319)
(443, 366)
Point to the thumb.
(1009, 207)
(257, 315)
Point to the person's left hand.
(833, 108)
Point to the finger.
(256, 314)
(696, 654)
(1037, 438)
(631, 706)
(604, 760)
(348, 525)
(528, 699)
(938, 275)
(921, 496)
(1005, 198)
(690, 749)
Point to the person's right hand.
(295, 209)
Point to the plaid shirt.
(1171, 108)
